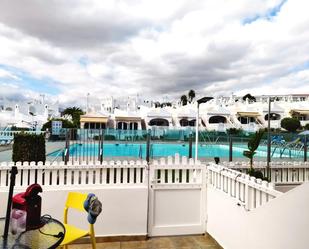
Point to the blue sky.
(271, 13)
(25, 81)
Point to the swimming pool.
(137, 150)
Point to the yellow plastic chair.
(76, 200)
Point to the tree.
(253, 144)
(191, 95)
(290, 124)
(250, 97)
(184, 100)
(75, 113)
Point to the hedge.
(29, 147)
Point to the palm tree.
(253, 144)
(191, 95)
(184, 99)
(75, 113)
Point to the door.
(177, 196)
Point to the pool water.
(163, 150)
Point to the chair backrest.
(76, 200)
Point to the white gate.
(177, 197)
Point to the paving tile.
(80, 246)
(160, 243)
(172, 242)
(134, 245)
(210, 247)
(109, 245)
(183, 242)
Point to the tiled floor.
(179, 242)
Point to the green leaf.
(248, 154)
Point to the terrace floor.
(174, 242)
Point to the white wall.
(282, 223)
(124, 209)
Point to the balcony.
(175, 200)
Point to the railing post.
(305, 149)
(264, 197)
(190, 145)
(230, 149)
(14, 171)
(268, 141)
(148, 146)
(101, 145)
(247, 193)
(66, 152)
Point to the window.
(273, 116)
(158, 122)
(217, 119)
(184, 122)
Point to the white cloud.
(157, 48)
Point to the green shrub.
(257, 174)
(109, 137)
(233, 131)
(29, 147)
(290, 124)
(98, 137)
(14, 128)
(306, 127)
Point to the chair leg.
(93, 242)
(65, 247)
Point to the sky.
(157, 49)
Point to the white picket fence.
(61, 175)
(176, 171)
(281, 172)
(248, 191)
(183, 170)
(166, 172)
